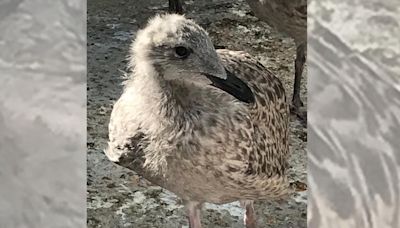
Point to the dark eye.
(182, 52)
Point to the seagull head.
(176, 48)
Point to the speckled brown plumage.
(288, 17)
(195, 139)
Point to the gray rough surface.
(354, 114)
(42, 113)
(118, 197)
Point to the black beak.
(234, 86)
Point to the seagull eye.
(182, 52)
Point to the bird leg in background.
(299, 65)
(175, 6)
(250, 217)
(193, 211)
(219, 47)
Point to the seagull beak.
(232, 85)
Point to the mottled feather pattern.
(253, 147)
(270, 111)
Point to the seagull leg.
(299, 66)
(249, 218)
(175, 6)
(194, 210)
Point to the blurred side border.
(42, 113)
(354, 114)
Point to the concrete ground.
(118, 197)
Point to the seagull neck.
(158, 96)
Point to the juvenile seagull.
(210, 126)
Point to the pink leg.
(249, 218)
(194, 210)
